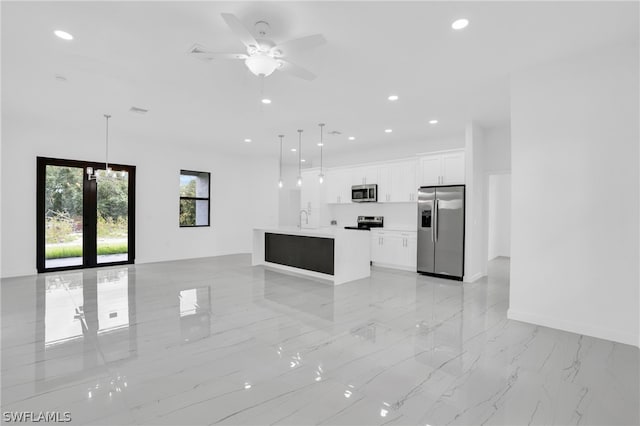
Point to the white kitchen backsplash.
(396, 215)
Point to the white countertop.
(326, 232)
(396, 229)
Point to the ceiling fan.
(263, 56)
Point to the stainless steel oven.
(364, 193)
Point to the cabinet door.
(376, 248)
(364, 175)
(391, 249)
(338, 186)
(357, 175)
(453, 168)
(405, 187)
(370, 175)
(430, 170)
(385, 183)
(344, 187)
(408, 253)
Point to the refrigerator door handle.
(435, 225)
(433, 221)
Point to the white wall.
(476, 223)
(244, 191)
(575, 194)
(390, 151)
(497, 151)
(289, 197)
(499, 233)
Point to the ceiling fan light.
(261, 64)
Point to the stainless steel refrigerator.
(441, 231)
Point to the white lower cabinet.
(394, 249)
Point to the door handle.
(437, 218)
(433, 222)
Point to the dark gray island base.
(304, 252)
(333, 254)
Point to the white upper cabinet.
(338, 182)
(364, 175)
(397, 182)
(442, 169)
(453, 168)
(430, 170)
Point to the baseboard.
(392, 266)
(574, 327)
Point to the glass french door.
(85, 214)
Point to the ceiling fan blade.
(239, 30)
(296, 70)
(298, 44)
(200, 52)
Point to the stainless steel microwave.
(364, 193)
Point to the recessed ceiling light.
(433, 121)
(266, 101)
(459, 24)
(303, 161)
(393, 97)
(247, 140)
(293, 150)
(388, 130)
(352, 138)
(320, 144)
(63, 35)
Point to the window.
(194, 198)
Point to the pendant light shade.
(321, 175)
(280, 184)
(299, 157)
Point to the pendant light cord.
(281, 136)
(106, 154)
(321, 145)
(299, 154)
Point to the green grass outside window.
(62, 252)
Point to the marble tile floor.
(216, 341)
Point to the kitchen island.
(333, 254)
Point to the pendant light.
(321, 175)
(299, 157)
(91, 175)
(280, 180)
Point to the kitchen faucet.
(306, 217)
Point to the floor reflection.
(195, 313)
(85, 318)
(439, 326)
(295, 295)
(64, 316)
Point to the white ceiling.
(134, 54)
